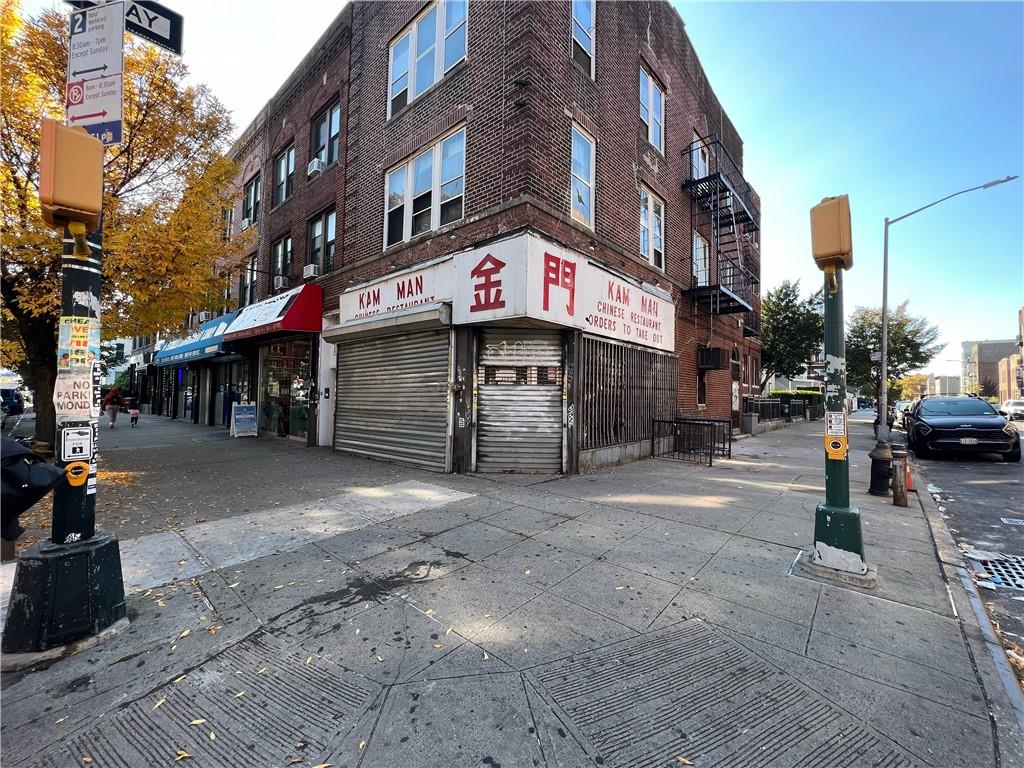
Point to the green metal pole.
(838, 540)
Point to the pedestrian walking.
(134, 411)
(112, 404)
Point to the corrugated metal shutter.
(393, 398)
(519, 412)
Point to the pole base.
(63, 593)
(806, 565)
(838, 539)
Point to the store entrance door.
(285, 381)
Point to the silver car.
(1013, 409)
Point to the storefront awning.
(299, 309)
(204, 343)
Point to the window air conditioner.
(310, 270)
(316, 165)
(204, 316)
(245, 224)
(280, 282)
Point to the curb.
(1003, 696)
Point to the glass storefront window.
(285, 379)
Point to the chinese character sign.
(487, 284)
(560, 274)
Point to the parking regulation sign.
(94, 94)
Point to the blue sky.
(895, 104)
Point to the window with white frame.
(427, 191)
(430, 46)
(652, 228)
(652, 109)
(321, 241)
(326, 137)
(701, 260)
(699, 157)
(281, 251)
(251, 201)
(582, 189)
(249, 282)
(583, 34)
(284, 175)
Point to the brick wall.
(518, 93)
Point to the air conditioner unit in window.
(245, 224)
(310, 270)
(316, 165)
(280, 282)
(204, 316)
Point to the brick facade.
(518, 93)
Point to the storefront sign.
(428, 284)
(243, 420)
(526, 276)
(78, 341)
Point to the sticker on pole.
(835, 424)
(72, 396)
(76, 443)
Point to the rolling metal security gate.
(393, 398)
(519, 409)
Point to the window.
(433, 44)
(281, 252)
(652, 109)
(582, 177)
(583, 34)
(284, 175)
(701, 263)
(702, 387)
(248, 292)
(699, 157)
(326, 135)
(652, 229)
(251, 203)
(227, 216)
(426, 192)
(321, 241)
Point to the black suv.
(958, 424)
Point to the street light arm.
(947, 197)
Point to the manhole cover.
(1012, 520)
(1006, 571)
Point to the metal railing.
(766, 408)
(797, 409)
(815, 411)
(694, 440)
(709, 159)
(728, 273)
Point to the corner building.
(541, 238)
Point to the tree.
(912, 345)
(165, 188)
(912, 386)
(792, 330)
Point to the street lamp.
(883, 395)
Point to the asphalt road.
(977, 494)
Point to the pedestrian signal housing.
(70, 176)
(831, 241)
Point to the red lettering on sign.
(617, 293)
(560, 273)
(487, 291)
(406, 289)
(369, 299)
(648, 305)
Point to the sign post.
(838, 538)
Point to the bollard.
(881, 469)
(899, 476)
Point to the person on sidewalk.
(134, 411)
(112, 404)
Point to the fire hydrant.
(881, 469)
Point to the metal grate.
(1008, 570)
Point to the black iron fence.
(797, 409)
(815, 411)
(693, 440)
(766, 408)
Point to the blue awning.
(204, 343)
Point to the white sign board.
(835, 423)
(76, 444)
(95, 66)
(428, 284)
(72, 395)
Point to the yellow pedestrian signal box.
(70, 176)
(831, 241)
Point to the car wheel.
(920, 451)
(1013, 455)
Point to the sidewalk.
(326, 609)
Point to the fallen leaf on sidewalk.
(239, 695)
(182, 755)
(448, 631)
(428, 612)
(682, 760)
(295, 761)
(362, 744)
(486, 657)
(322, 765)
(279, 586)
(261, 670)
(232, 586)
(357, 630)
(380, 658)
(213, 736)
(179, 679)
(61, 720)
(439, 646)
(619, 588)
(526, 572)
(186, 633)
(200, 721)
(87, 760)
(309, 660)
(158, 703)
(983, 575)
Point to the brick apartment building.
(492, 236)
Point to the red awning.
(300, 309)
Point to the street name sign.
(155, 23)
(95, 66)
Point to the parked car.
(900, 407)
(1013, 409)
(963, 423)
(14, 401)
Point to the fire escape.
(727, 263)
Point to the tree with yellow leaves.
(165, 188)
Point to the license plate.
(968, 441)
